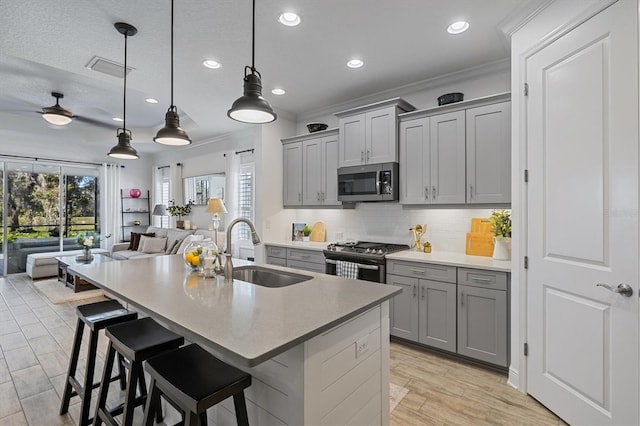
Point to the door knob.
(623, 289)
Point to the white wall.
(544, 25)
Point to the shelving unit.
(134, 209)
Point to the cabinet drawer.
(422, 270)
(273, 251)
(306, 266)
(482, 278)
(280, 261)
(306, 256)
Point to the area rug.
(59, 293)
(396, 394)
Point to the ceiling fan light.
(172, 133)
(252, 107)
(57, 115)
(123, 150)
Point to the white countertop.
(307, 245)
(452, 259)
(248, 322)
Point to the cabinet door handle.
(418, 271)
(415, 290)
(462, 298)
(368, 155)
(322, 196)
(426, 192)
(299, 197)
(423, 291)
(361, 157)
(481, 280)
(318, 199)
(433, 192)
(470, 191)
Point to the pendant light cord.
(124, 98)
(172, 106)
(253, 39)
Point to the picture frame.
(296, 231)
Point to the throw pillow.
(153, 244)
(134, 241)
(187, 241)
(172, 245)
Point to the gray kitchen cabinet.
(457, 153)
(308, 260)
(489, 154)
(482, 324)
(403, 308)
(369, 134)
(448, 158)
(292, 174)
(437, 315)
(311, 169)
(276, 255)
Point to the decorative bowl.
(316, 127)
(450, 98)
(201, 256)
(135, 193)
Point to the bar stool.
(136, 341)
(96, 316)
(193, 380)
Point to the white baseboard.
(514, 378)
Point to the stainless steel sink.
(267, 277)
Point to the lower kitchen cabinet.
(462, 310)
(424, 312)
(308, 260)
(482, 324)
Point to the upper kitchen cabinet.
(313, 179)
(457, 153)
(489, 154)
(369, 134)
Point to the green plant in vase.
(306, 232)
(501, 227)
(178, 211)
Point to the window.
(162, 195)
(246, 200)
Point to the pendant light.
(56, 114)
(252, 107)
(171, 133)
(123, 149)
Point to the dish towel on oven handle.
(347, 269)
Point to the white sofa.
(41, 265)
(120, 251)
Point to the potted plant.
(427, 247)
(306, 232)
(501, 227)
(178, 211)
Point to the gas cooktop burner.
(366, 248)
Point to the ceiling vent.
(106, 66)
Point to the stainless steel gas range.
(369, 256)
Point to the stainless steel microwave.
(372, 182)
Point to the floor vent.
(106, 66)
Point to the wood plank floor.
(444, 391)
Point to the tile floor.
(36, 338)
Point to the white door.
(582, 147)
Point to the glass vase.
(201, 256)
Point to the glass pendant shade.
(252, 107)
(123, 150)
(172, 133)
(57, 115)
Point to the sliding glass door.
(45, 208)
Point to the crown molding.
(519, 17)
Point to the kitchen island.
(318, 351)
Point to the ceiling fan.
(60, 116)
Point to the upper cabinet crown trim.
(321, 134)
(472, 103)
(398, 102)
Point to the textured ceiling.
(45, 46)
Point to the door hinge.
(526, 175)
(526, 89)
(526, 262)
(526, 349)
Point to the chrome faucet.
(255, 239)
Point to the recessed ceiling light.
(278, 91)
(458, 27)
(289, 19)
(151, 101)
(118, 119)
(355, 63)
(210, 63)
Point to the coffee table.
(69, 278)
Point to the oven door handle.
(360, 265)
(378, 182)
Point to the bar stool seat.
(193, 380)
(96, 316)
(136, 341)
